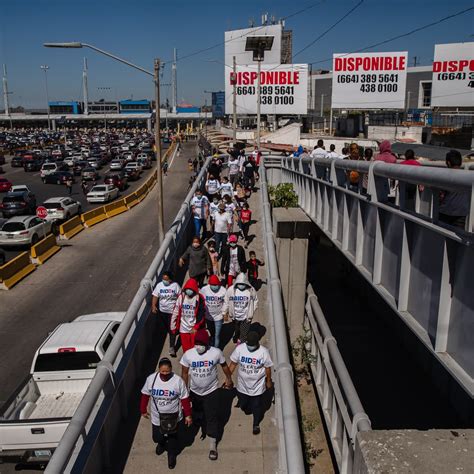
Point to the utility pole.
(259, 63)
(159, 181)
(174, 80)
(322, 105)
(45, 69)
(5, 92)
(234, 103)
(85, 89)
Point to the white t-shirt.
(212, 186)
(226, 188)
(251, 369)
(167, 295)
(333, 154)
(213, 209)
(242, 159)
(200, 207)
(241, 300)
(203, 369)
(234, 267)
(234, 166)
(188, 313)
(167, 395)
(222, 222)
(319, 153)
(214, 302)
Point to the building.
(135, 106)
(65, 107)
(103, 107)
(218, 104)
(286, 46)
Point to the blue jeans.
(215, 328)
(198, 224)
(221, 239)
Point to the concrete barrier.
(15, 270)
(131, 200)
(141, 192)
(93, 217)
(44, 249)
(70, 228)
(116, 207)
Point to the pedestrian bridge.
(420, 268)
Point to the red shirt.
(411, 162)
(245, 215)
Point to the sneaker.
(171, 461)
(213, 455)
(160, 449)
(256, 430)
(172, 352)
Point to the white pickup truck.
(34, 418)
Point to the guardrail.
(87, 442)
(419, 266)
(341, 406)
(291, 449)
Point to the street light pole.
(259, 62)
(234, 104)
(45, 68)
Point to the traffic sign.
(41, 212)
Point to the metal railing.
(291, 451)
(341, 406)
(88, 440)
(420, 266)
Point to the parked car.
(18, 203)
(62, 208)
(49, 168)
(102, 193)
(36, 415)
(116, 165)
(5, 185)
(20, 188)
(89, 174)
(59, 177)
(23, 230)
(33, 165)
(131, 174)
(119, 180)
(95, 163)
(134, 165)
(17, 162)
(144, 162)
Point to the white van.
(48, 168)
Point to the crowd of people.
(222, 287)
(453, 205)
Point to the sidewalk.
(239, 450)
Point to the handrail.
(289, 414)
(106, 368)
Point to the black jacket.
(198, 259)
(225, 264)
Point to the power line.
(195, 53)
(403, 35)
(330, 28)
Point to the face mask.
(215, 288)
(189, 292)
(233, 245)
(215, 201)
(252, 348)
(241, 286)
(199, 196)
(212, 249)
(166, 282)
(196, 246)
(166, 377)
(200, 349)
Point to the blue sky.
(140, 30)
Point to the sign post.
(41, 212)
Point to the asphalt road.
(46, 191)
(99, 270)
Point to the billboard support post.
(234, 104)
(330, 122)
(259, 63)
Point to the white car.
(61, 208)
(102, 193)
(24, 230)
(48, 168)
(20, 188)
(134, 166)
(116, 164)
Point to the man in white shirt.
(226, 188)
(234, 166)
(214, 295)
(164, 297)
(212, 186)
(332, 152)
(199, 368)
(319, 151)
(200, 208)
(222, 226)
(254, 376)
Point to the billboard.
(283, 89)
(369, 80)
(235, 45)
(218, 104)
(453, 75)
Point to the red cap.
(201, 337)
(214, 280)
(233, 239)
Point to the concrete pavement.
(239, 450)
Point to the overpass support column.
(148, 125)
(53, 124)
(292, 228)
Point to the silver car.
(24, 230)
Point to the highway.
(98, 270)
(45, 191)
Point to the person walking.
(198, 259)
(189, 314)
(170, 402)
(245, 217)
(214, 296)
(252, 269)
(222, 227)
(163, 299)
(69, 185)
(84, 187)
(234, 167)
(200, 209)
(254, 376)
(240, 304)
(212, 187)
(199, 369)
(226, 188)
(233, 260)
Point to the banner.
(283, 89)
(453, 75)
(369, 80)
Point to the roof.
(82, 335)
(55, 199)
(429, 152)
(20, 218)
